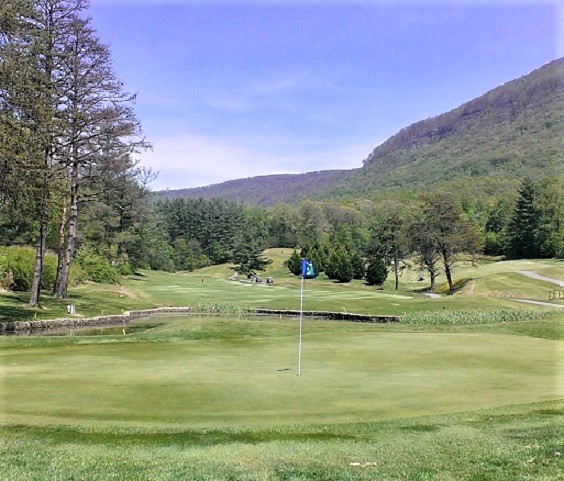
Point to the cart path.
(532, 275)
(539, 303)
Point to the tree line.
(68, 132)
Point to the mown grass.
(492, 286)
(242, 371)
(468, 387)
(505, 444)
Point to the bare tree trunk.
(35, 292)
(62, 287)
(396, 271)
(433, 276)
(448, 269)
(61, 246)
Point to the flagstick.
(301, 322)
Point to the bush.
(294, 263)
(339, 266)
(16, 268)
(376, 273)
(95, 267)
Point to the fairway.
(248, 377)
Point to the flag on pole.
(308, 271)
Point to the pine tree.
(294, 263)
(376, 272)
(523, 227)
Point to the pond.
(102, 330)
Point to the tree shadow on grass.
(200, 438)
(14, 307)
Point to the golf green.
(347, 377)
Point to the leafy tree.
(390, 241)
(550, 203)
(495, 236)
(423, 241)
(448, 230)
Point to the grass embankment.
(507, 444)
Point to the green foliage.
(524, 223)
(318, 253)
(358, 265)
(16, 268)
(339, 266)
(376, 272)
(248, 259)
(95, 267)
(475, 316)
(188, 255)
(536, 228)
(294, 263)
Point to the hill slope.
(511, 131)
(514, 130)
(268, 189)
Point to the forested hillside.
(487, 144)
(266, 190)
(510, 132)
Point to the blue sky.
(237, 88)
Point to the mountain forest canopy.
(75, 205)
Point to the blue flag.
(308, 271)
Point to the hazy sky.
(233, 89)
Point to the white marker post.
(301, 322)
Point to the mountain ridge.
(511, 131)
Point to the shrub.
(376, 273)
(339, 266)
(294, 263)
(475, 316)
(95, 267)
(16, 268)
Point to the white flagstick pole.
(301, 322)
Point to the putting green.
(347, 376)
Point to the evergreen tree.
(376, 272)
(523, 228)
(358, 265)
(248, 258)
(339, 266)
(294, 263)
